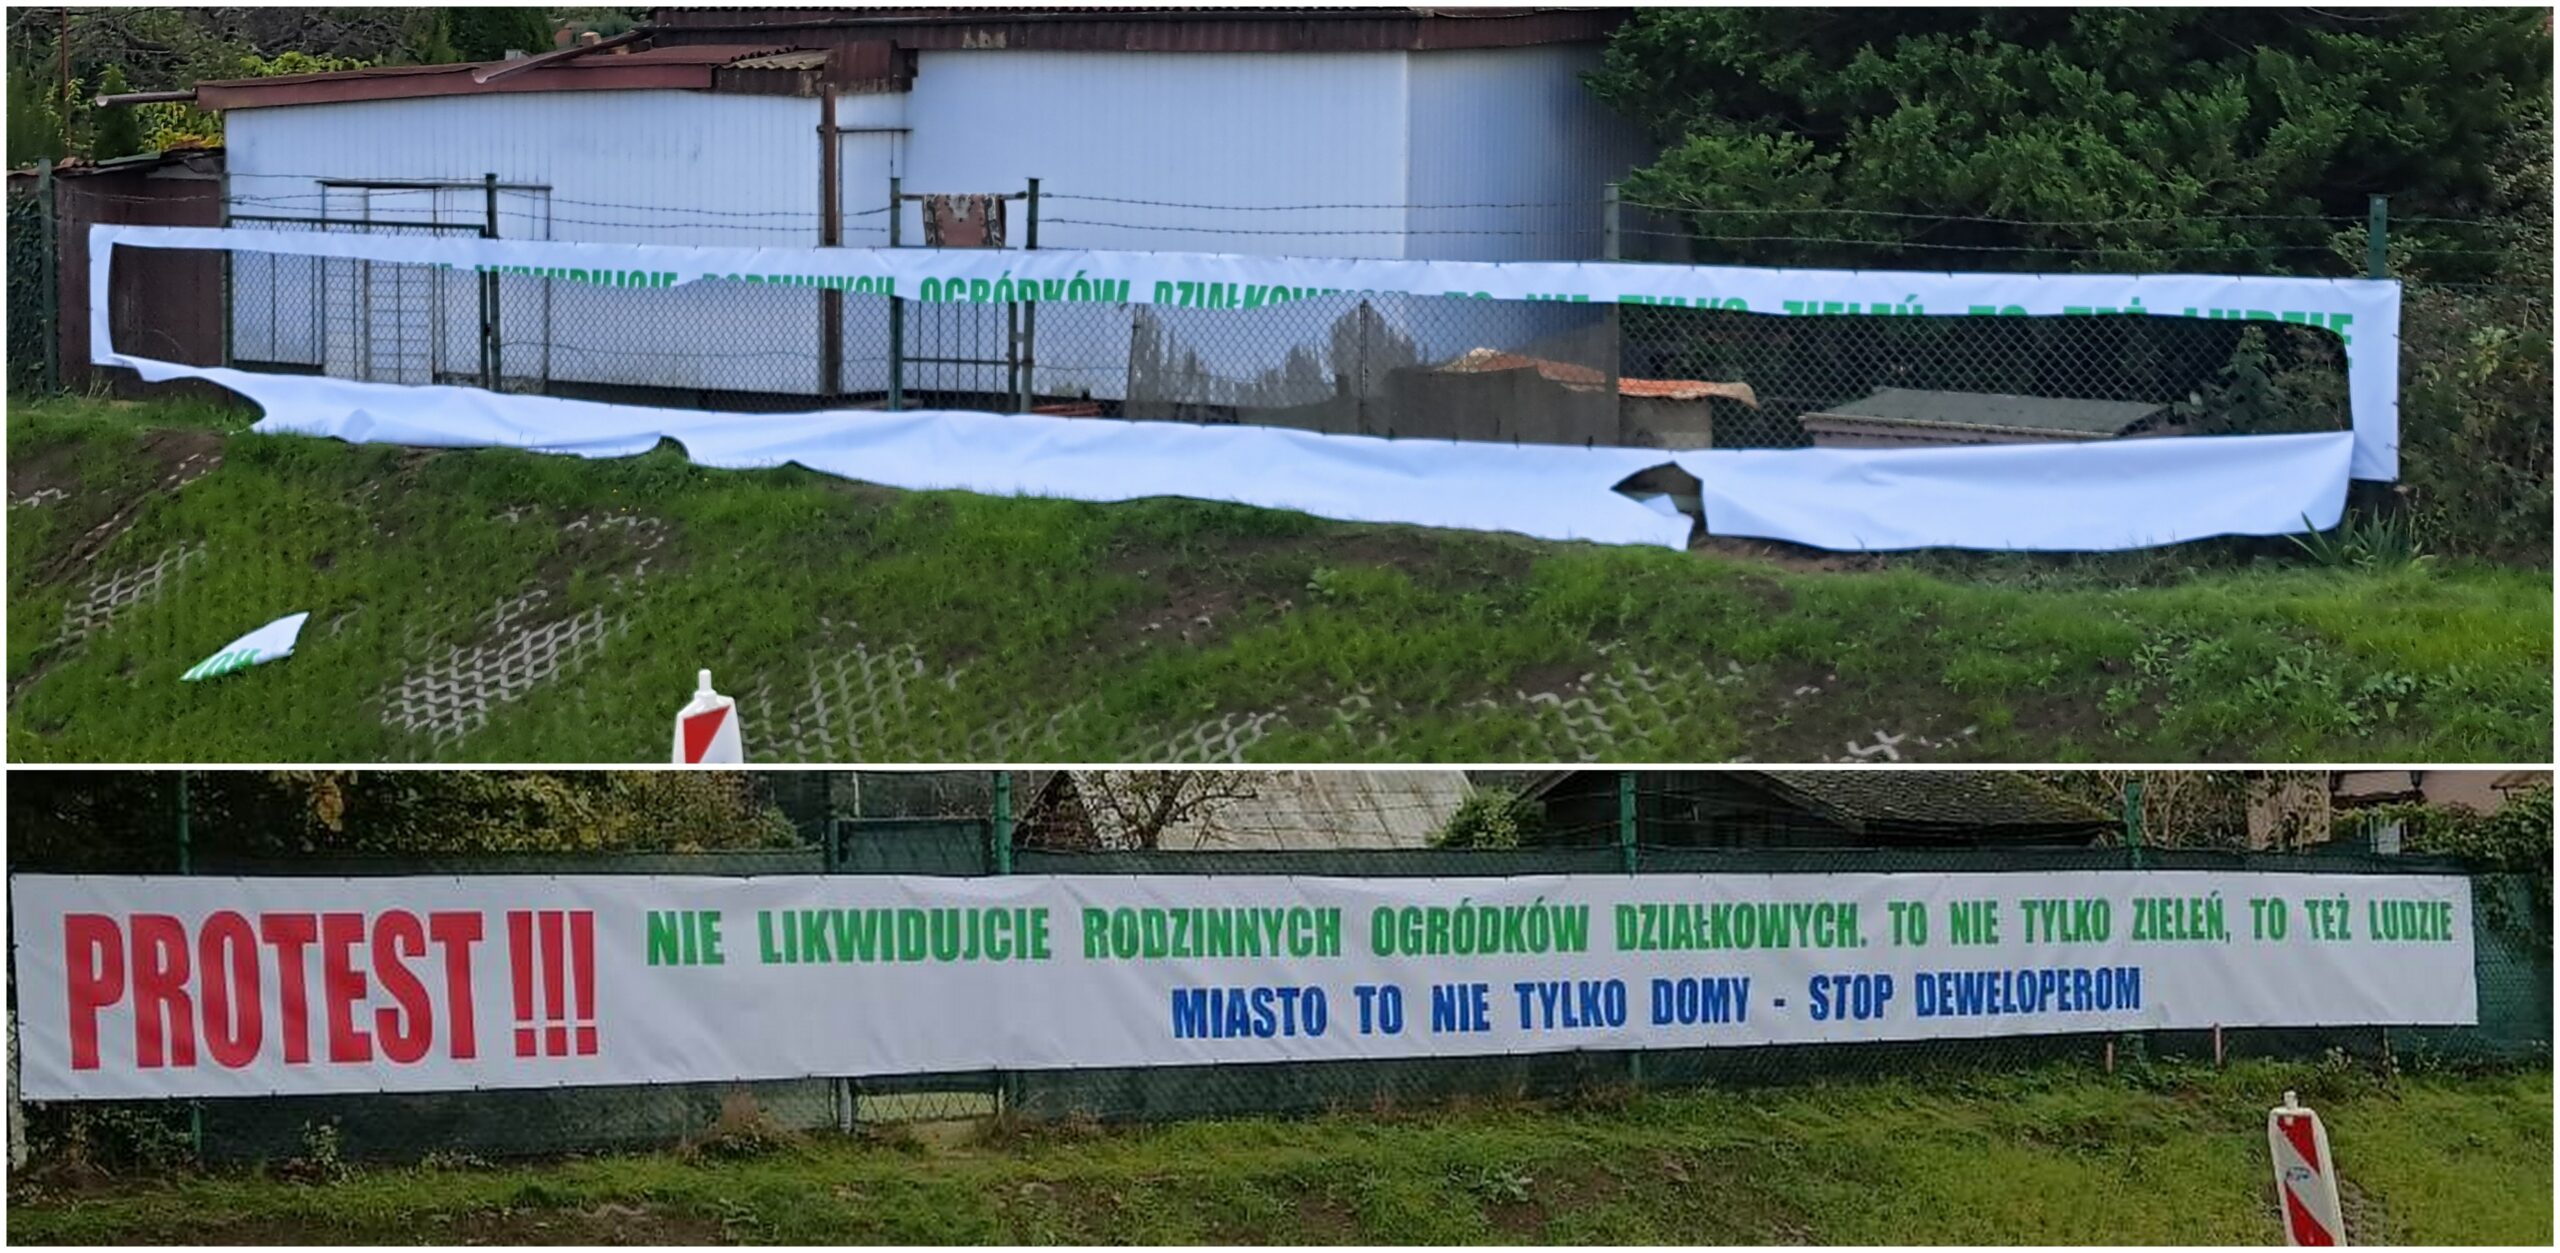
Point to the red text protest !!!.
(392, 986)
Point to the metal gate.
(398, 322)
(963, 355)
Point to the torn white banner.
(2364, 314)
(1544, 491)
(272, 642)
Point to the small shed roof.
(1308, 809)
(1982, 799)
(1585, 378)
(1197, 28)
(687, 67)
(1990, 806)
(1995, 411)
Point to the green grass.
(2057, 1155)
(1028, 629)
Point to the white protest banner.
(174, 987)
(2363, 313)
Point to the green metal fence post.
(1627, 821)
(1627, 864)
(897, 314)
(830, 860)
(187, 866)
(2133, 820)
(2377, 237)
(1000, 836)
(1000, 842)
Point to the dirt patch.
(1322, 1219)
(608, 1222)
(1553, 676)
(1806, 713)
(42, 477)
(1785, 556)
(172, 459)
(1197, 593)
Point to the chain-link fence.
(2513, 947)
(1402, 366)
(31, 280)
(1559, 372)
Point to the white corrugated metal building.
(1394, 133)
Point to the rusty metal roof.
(1179, 29)
(677, 67)
(800, 59)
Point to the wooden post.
(897, 315)
(49, 232)
(830, 235)
(1030, 310)
(1612, 235)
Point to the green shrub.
(1493, 818)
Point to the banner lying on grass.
(166, 987)
(2364, 313)
(1538, 490)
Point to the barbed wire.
(1245, 230)
(1303, 208)
(1988, 220)
(1913, 243)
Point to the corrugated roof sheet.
(1584, 378)
(803, 59)
(1180, 29)
(680, 66)
(1995, 410)
(1317, 809)
(1939, 797)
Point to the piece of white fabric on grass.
(272, 642)
(1543, 491)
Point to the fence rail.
(2513, 965)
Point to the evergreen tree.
(2168, 135)
(35, 127)
(489, 34)
(118, 132)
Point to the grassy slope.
(2051, 1156)
(1059, 630)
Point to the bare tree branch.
(1132, 809)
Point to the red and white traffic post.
(707, 729)
(2306, 1180)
